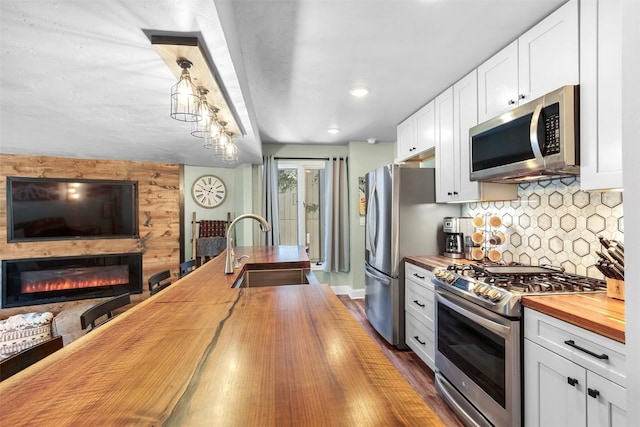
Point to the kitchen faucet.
(232, 262)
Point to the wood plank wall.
(159, 215)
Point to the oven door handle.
(467, 310)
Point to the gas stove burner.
(499, 287)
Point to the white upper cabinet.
(452, 150)
(407, 138)
(416, 134)
(600, 94)
(446, 162)
(498, 83)
(425, 127)
(543, 59)
(548, 54)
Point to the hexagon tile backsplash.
(554, 222)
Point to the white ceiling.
(81, 79)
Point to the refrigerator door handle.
(372, 219)
(385, 280)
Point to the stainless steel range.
(479, 334)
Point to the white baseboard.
(346, 290)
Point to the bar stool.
(104, 308)
(159, 281)
(187, 267)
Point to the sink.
(275, 277)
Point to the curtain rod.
(308, 158)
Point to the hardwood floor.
(408, 363)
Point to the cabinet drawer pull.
(572, 381)
(417, 338)
(416, 302)
(593, 393)
(572, 343)
(418, 276)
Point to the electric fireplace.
(52, 280)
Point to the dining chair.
(105, 308)
(187, 267)
(18, 361)
(159, 281)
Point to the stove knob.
(495, 295)
(480, 289)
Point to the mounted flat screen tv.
(60, 208)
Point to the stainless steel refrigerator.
(402, 219)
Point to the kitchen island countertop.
(203, 353)
(592, 311)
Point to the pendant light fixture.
(185, 98)
(200, 129)
(230, 154)
(199, 96)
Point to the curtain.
(336, 216)
(270, 200)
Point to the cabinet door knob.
(455, 193)
(593, 393)
(572, 381)
(521, 96)
(511, 102)
(449, 193)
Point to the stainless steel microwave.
(537, 140)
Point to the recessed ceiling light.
(333, 131)
(359, 91)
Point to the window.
(300, 189)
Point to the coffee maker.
(457, 236)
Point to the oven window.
(476, 351)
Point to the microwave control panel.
(551, 130)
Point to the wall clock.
(208, 191)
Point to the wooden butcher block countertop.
(201, 353)
(431, 261)
(595, 312)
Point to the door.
(446, 189)
(425, 127)
(606, 402)
(555, 389)
(465, 116)
(478, 352)
(498, 83)
(553, 41)
(381, 303)
(378, 222)
(407, 138)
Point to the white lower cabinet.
(419, 311)
(561, 386)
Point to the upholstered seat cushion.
(22, 331)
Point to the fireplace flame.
(73, 278)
